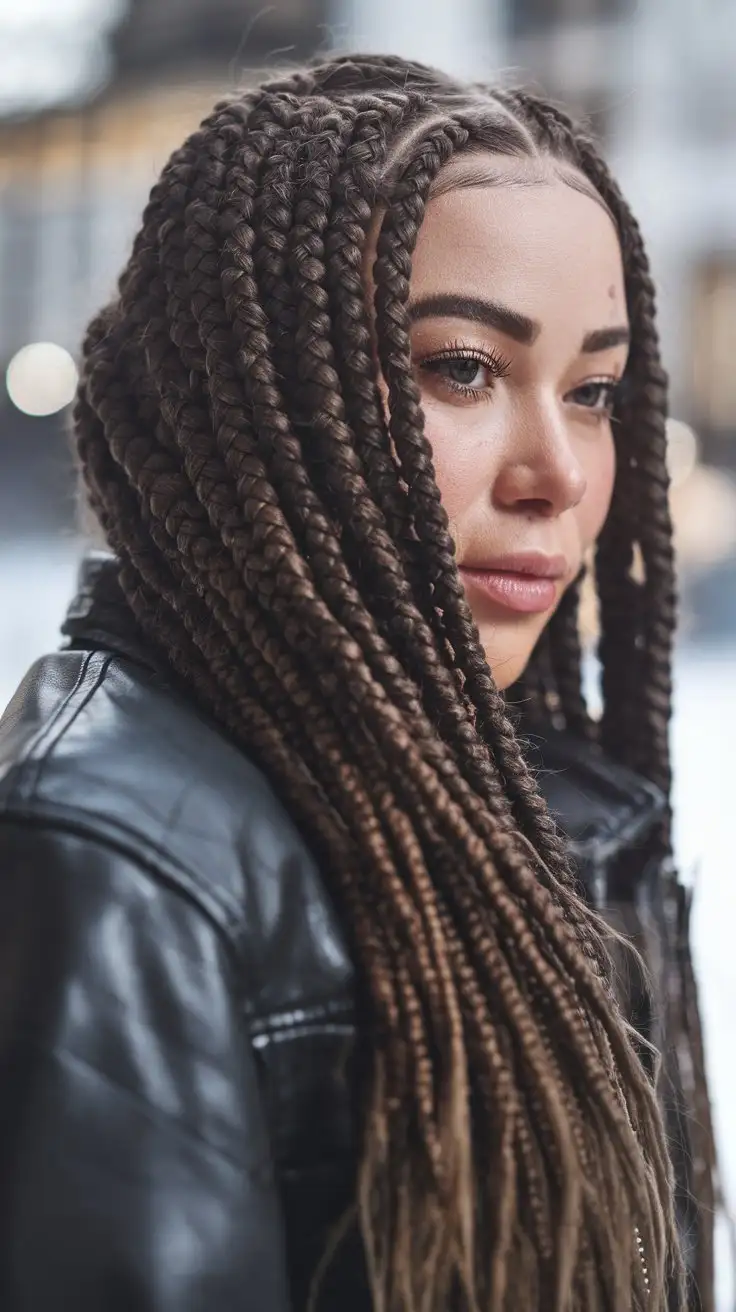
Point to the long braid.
(183, 425)
(327, 440)
(637, 614)
(636, 586)
(566, 658)
(307, 356)
(256, 513)
(366, 842)
(398, 235)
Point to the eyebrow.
(603, 339)
(476, 310)
(519, 327)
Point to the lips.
(528, 582)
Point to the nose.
(542, 474)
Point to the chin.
(508, 658)
(506, 674)
(506, 669)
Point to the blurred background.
(94, 94)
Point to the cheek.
(600, 470)
(464, 454)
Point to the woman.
(303, 996)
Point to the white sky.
(52, 49)
(15, 16)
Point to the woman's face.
(519, 339)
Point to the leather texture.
(178, 1128)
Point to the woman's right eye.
(470, 374)
(464, 370)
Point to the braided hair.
(283, 543)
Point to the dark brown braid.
(282, 541)
(565, 654)
(636, 590)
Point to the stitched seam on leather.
(112, 836)
(317, 1029)
(39, 748)
(316, 1013)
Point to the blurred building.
(656, 80)
(98, 92)
(94, 95)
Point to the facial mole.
(612, 291)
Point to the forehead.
(525, 232)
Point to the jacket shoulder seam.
(37, 750)
(223, 913)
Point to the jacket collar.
(99, 616)
(603, 808)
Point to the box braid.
(635, 578)
(283, 544)
(637, 613)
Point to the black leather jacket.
(177, 1127)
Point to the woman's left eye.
(598, 395)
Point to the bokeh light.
(41, 378)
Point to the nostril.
(538, 507)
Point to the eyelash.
(498, 367)
(496, 364)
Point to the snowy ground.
(35, 581)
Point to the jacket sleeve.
(135, 1169)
